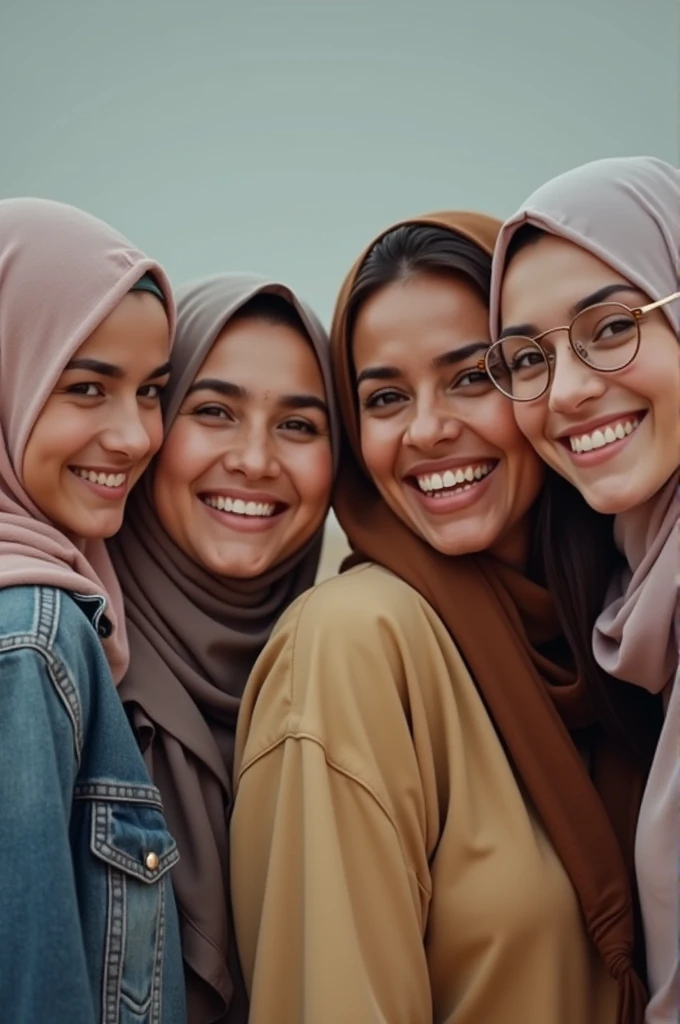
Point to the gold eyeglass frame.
(638, 315)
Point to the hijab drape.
(502, 623)
(61, 273)
(626, 211)
(194, 638)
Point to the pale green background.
(280, 137)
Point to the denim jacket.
(88, 923)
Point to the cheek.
(58, 435)
(530, 418)
(380, 443)
(311, 472)
(153, 424)
(186, 453)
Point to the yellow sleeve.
(328, 834)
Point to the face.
(625, 423)
(439, 441)
(244, 477)
(102, 423)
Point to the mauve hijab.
(194, 638)
(626, 211)
(62, 272)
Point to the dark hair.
(272, 308)
(574, 552)
(417, 249)
(527, 235)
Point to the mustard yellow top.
(386, 867)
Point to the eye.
(526, 360)
(616, 328)
(151, 391)
(470, 378)
(212, 411)
(300, 426)
(86, 390)
(382, 399)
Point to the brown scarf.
(194, 638)
(498, 619)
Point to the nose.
(573, 382)
(134, 432)
(431, 423)
(252, 453)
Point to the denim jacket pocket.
(129, 835)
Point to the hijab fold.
(62, 272)
(503, 623)
(194, 638)
(626, 211)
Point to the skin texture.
(258, 432)
(107, 422)
(421, 416)
(541, 285)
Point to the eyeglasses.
(605, 337)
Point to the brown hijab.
(500, 621)
(194, 638)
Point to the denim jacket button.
(151, 861)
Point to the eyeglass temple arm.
(659, 302)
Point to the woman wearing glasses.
(587, 299)
(420, 829)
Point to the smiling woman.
(598, 399)
(430, 822)
(221, 536)
(88, 929)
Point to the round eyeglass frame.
(637, 314)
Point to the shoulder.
(363, 602)
(42, 618)
(357, 646)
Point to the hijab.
(626, 211)
(62, 272)
(503, 624)
(194, 638)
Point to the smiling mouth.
(452, 481)
(112, 480)
(239, 507)
(613, 432)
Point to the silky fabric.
(62, 272)
(626, 211)
(503, 623)
(194, 638)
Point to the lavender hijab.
(626, 211)
(194, 638)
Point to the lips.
(604, 433)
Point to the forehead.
(264, 356)
(135, 328)
(548, 277)
(423, 311)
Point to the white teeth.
(103, 479)
(239, 507)
(600, 438)
(454, 478)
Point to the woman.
(415, 834)
(220, 538)
(88, 929)
(599, 403)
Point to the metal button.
(151, 861)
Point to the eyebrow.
(110, 369)
(451, 358)
(230, 390)
(601, 295)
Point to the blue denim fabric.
(88, 924)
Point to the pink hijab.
(626, 211)
(61, 273)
